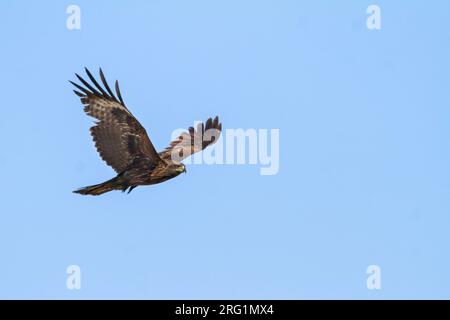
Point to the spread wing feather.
(193, 141)
(119, 137)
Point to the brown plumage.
(123, 143)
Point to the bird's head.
(179, 168)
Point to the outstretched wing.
(193, 141)
(119, 137)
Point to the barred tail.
(101, 188)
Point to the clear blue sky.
(364, 150)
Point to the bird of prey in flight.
(123, 143)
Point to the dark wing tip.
(79, 93)
(84, 90)
(87, 85)
(105, 83)
(208, 124)
(215, 122)
(118, 93)
(96, 84)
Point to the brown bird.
(124, 144)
